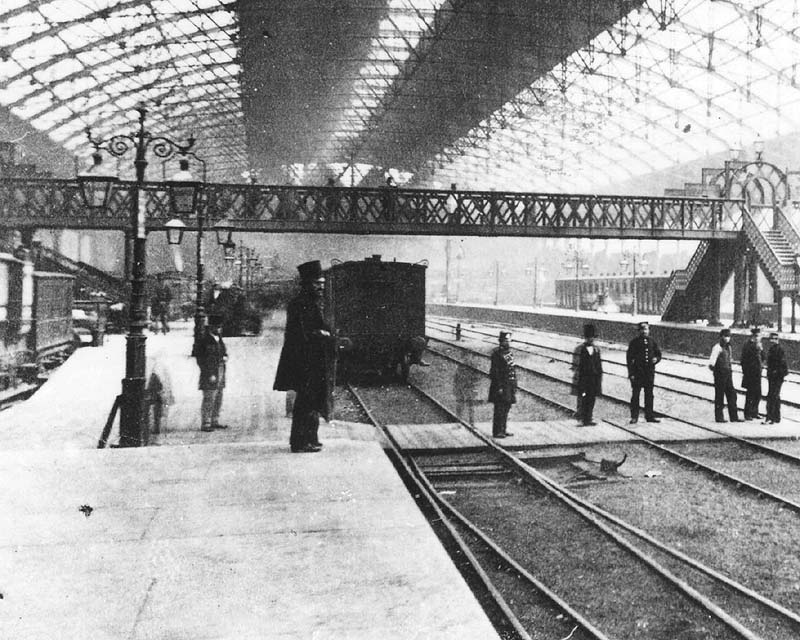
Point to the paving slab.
(229, 540)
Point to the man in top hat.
(588, 375)
(502, 384)
(642, 357)
(306, 358)
(777, 370)
(751, 360)
(211, 356)
(720, 363)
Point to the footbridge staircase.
(769, 239)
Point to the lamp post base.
(133, 428)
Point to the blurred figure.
(751, 360)
(777, 370)
(211, 357)
(159, 306)
(465, 388)
(720, 363)
(588, 376)
(502, 385)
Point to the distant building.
(613, 292)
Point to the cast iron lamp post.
(629, 257)
(577, 259)
(536, 271)
(133, 430)
(184, 193)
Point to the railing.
(781, 276)
(57, 204)
(682, 277)
(788, 229)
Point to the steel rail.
(681, 585)
(675, 553)
(714, 472)
(695, 564)
(665, 374)
(522, 571)
(758, 446)
(463, 548)
(771, 604)
(444, 321)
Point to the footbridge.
(52, 203)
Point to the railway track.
(784, 467)
(498, 512)
(614, 362)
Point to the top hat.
(589, 331)
(310, 270)
(755, 331)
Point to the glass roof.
(673, 81)
(69, 64)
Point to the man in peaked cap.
(751, 359)
(720, 363)
(305, 359)
(642, 357)
(777, 370)
(588, 375)
(502, 384)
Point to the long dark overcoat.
(306, 360)
(777, 368)
(503, 379)
(751, 365)
(589, 372)
(210, 355)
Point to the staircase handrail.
(98, 276)
(788, 229)
(781, 277)
(683, 274)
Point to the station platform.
(531, 435)
(210, 535)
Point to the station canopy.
(524, 95)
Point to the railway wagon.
(35, 319)
(52, 329)
(379, 309)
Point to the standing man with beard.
(751, 374)
(588, 382)
(306, 358)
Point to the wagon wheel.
(405, 366)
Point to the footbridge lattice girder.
(52, 203)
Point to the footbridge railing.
(54, 203)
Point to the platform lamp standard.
(631, 258)
(576, 259)
(95, 189)
(185, 194)
(536, 271)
